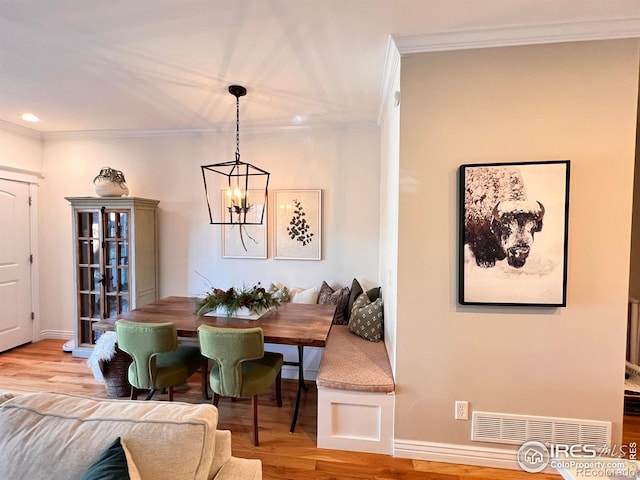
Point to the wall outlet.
(462, 410)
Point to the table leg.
(301, 386)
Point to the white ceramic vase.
(107, 188)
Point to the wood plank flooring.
(43, 366)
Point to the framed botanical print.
(298, 224)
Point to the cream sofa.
(48, 435)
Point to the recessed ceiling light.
(29, 117)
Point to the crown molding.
(255, 129)
(399, 45)
(121, 133)
(519, 35)
(19, 130)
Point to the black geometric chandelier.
(241, 188)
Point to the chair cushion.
(257, 375)
(143, 342)
(176, 367)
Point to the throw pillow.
(325, 293)
(374, 293)
(366, 318)
(301, 295)
(112, 465)
(134, 474)
(339, 298)
(357, 290)
(280, 291)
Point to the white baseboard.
(461, 454)
(56, 334)
(291, 372)
(453, 453)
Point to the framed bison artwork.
(513, 233)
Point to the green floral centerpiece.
(254, 300)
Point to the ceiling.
(147, 65)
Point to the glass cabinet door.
(88, 247)
(102, 253)
(116, 261)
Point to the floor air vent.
(517, 429)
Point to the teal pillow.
(110, 465)
(366, 318)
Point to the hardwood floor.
(43, 366)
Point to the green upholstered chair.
(158, 361)
(242, 368)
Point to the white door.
(15, 266)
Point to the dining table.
(298, 324)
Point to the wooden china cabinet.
(115, 257)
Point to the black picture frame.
(513, 233)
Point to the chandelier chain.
(237, 129)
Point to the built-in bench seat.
(355, 394)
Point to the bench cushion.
(350, 362)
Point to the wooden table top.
(289, 324)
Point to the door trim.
(33, 180)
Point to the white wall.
(572, 101)
(19, 151)
(343, 163)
